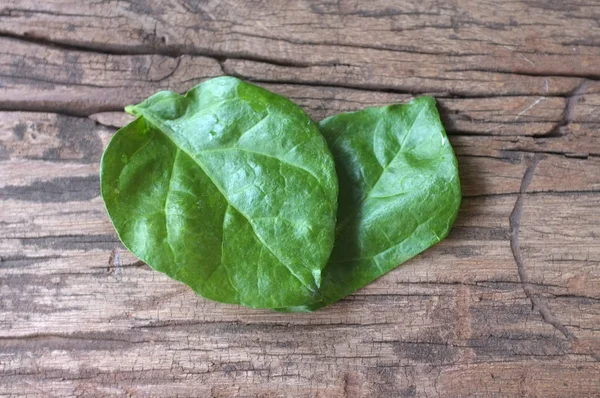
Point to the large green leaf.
(230, 189)
(399, 191)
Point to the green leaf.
(230, 189)
(399, 191)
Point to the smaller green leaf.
(399, 191)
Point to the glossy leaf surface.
(230, 189)
(399, 191)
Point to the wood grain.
(508, 305)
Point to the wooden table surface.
(508, 305)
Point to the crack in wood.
(173, 52)
(114, 262)
(515, 223)
(585, 76)
(569, 111)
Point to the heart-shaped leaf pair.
(233, 190)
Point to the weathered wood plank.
(76, 82)
(78, 302)
(525, 37)
(36, 76)
(508, 305)
(109, 82)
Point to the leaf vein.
(160, 126)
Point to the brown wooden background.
(508, 305)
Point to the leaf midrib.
(160, 126)
(366, 197)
